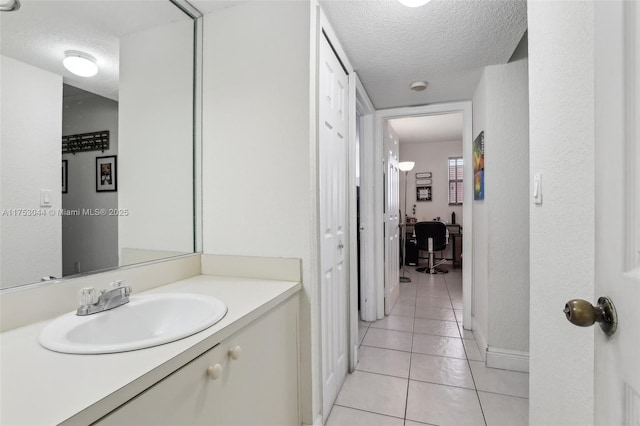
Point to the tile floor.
(418, 366)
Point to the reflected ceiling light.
(414, 3)
(9, 6)
(418, 86)
(406, 166)
(80, 63)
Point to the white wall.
(90, 240)
(501, 221)
(430, 157)
(507, 184)
(31, 160)
(156, 139)
(561, 55)
(258, 163)
(480, 305)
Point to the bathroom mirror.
(97, 172)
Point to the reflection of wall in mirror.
(90, 240)
(155, 163)
(31, 158)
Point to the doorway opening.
(432, 191)
(380, 290)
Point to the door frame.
(465, 108)
(366, 110)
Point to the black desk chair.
(438, 234)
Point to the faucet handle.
(116, 284)
(88, 296)
(120, 284)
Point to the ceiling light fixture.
(9, 6)
(418, 86)
(80, 63)
(414, 3)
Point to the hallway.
(418, 366)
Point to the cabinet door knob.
(214, 372)
(235, 352)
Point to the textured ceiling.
(445, 42)
(41, 31)
(431, 128)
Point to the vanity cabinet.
(259, 387)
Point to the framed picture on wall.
(106, 174)
(478, 167)
(423, 182)
(65, 174)
(423, 193)
(423, 175)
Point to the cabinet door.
(260, 387)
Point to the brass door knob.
(584, 314)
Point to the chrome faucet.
(93, 301)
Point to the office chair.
(432, 237)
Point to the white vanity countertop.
(41, 387)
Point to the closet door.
(334, 241)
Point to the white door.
(334, 288)
(617, 358)
(392, 233)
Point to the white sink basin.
(146, 321)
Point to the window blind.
(456, 188)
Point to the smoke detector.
(418, 86)
(414, 3)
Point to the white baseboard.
(506, 359)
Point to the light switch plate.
(537, 188)
(45, 198)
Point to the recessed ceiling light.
(418, 86)
(414, 3)
(80, 63)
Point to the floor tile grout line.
(475, 385)
(365, 335)
(441, 384)
(435, 335)
(406, 397)
(502, 394)
(382, 374)
(468, 363)
(367, 411)
(420, 423)
(406, 400)
(392, 329)
(432, 319)
(387, 349)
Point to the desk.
(455, 241)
